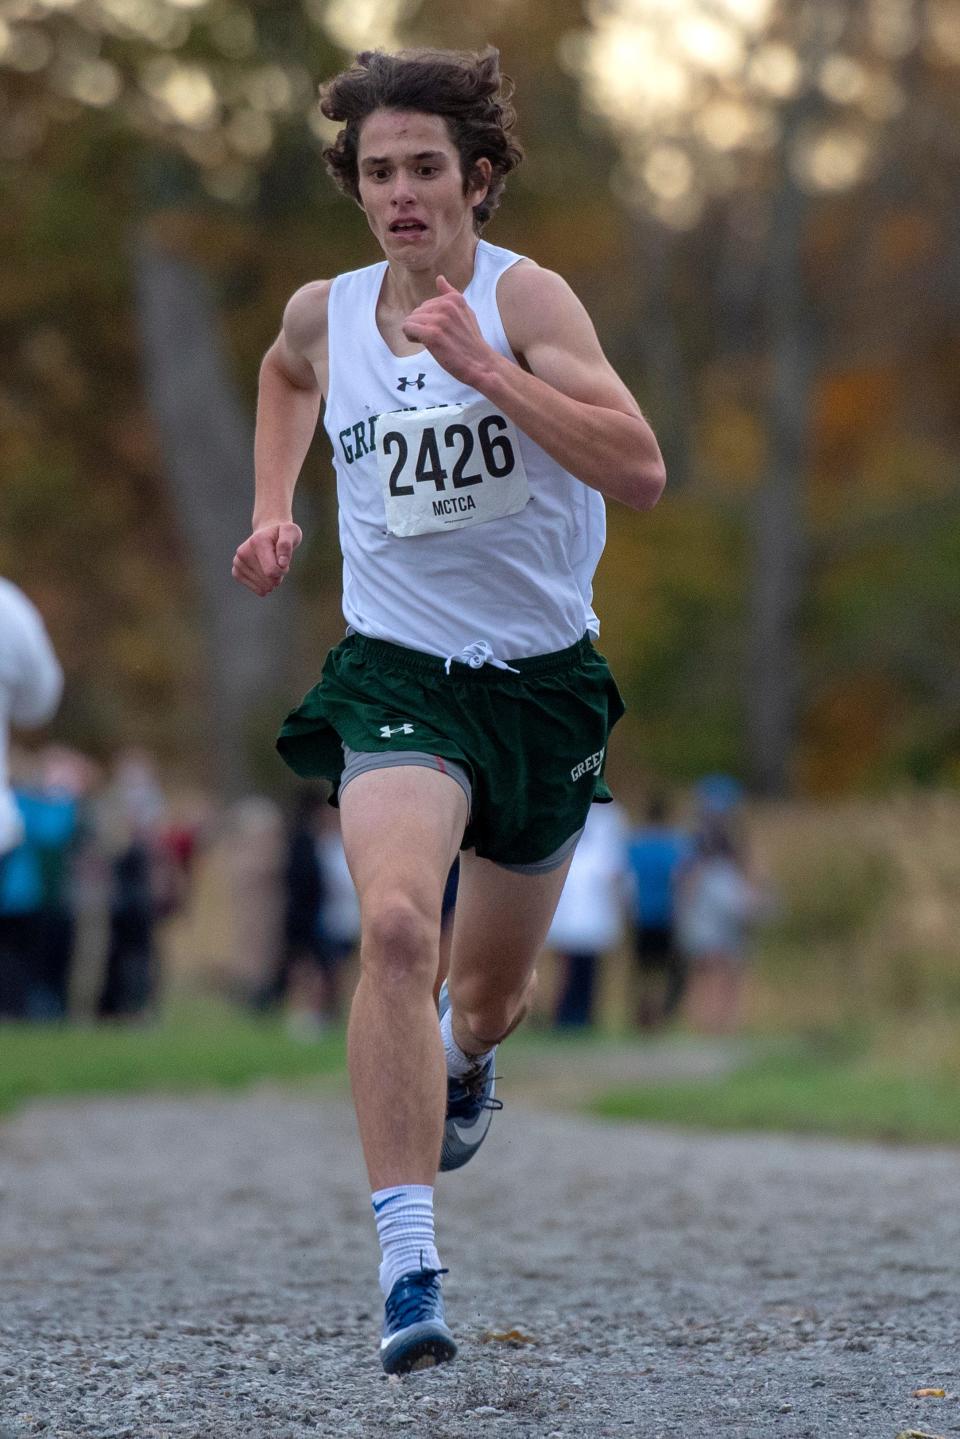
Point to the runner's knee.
(400, 940)
(487, 1017)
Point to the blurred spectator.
(718, 797)
(130, 820)
(35, 947)
(717, 906)
(327, 927)
(21, 896)
(178, 842)
(301, 954)
(340, 907)
(64, 779)
(656, 852)
(589, 921)
(31, 682)
(255, 853)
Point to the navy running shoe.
(470, 1107)
(415, 1333)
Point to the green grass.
(846, 1086)
(805, 1092)
(198, 1044)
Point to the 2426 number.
(459, 441)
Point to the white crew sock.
(404, 1216)
(458, 1063)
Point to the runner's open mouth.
(407, 227)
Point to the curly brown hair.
(463, 87)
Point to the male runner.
(476, 427)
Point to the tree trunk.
(207, 445)
(655, 337)
(779, 540)
(780, 531)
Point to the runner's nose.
(403, 195)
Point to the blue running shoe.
(415, 1334)
(470, 1107)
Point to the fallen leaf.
(929, 1393)
(506, 1336)
(918, 1434)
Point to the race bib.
(448, 466)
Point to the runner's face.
(411, 188)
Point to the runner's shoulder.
(305, 317)
(533, 301)
(526, 282)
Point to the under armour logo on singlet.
(404, 382)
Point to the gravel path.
(205, 1269)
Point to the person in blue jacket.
(656, 852)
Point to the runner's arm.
(288, 405)
(565, 394)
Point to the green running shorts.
(532, 743)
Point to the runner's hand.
(448, 328)
(262, 560)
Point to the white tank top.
(521, 580)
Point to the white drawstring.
(478, 654)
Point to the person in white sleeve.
(31, 683)
(476, 427)
(591, 917)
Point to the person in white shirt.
(718, 905)
(31, 683)
(591, 915)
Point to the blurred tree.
(747, 113)
(206, 441)
(195, 101)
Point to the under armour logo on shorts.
(387, 733)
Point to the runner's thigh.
(401, 831)
(501, 922)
